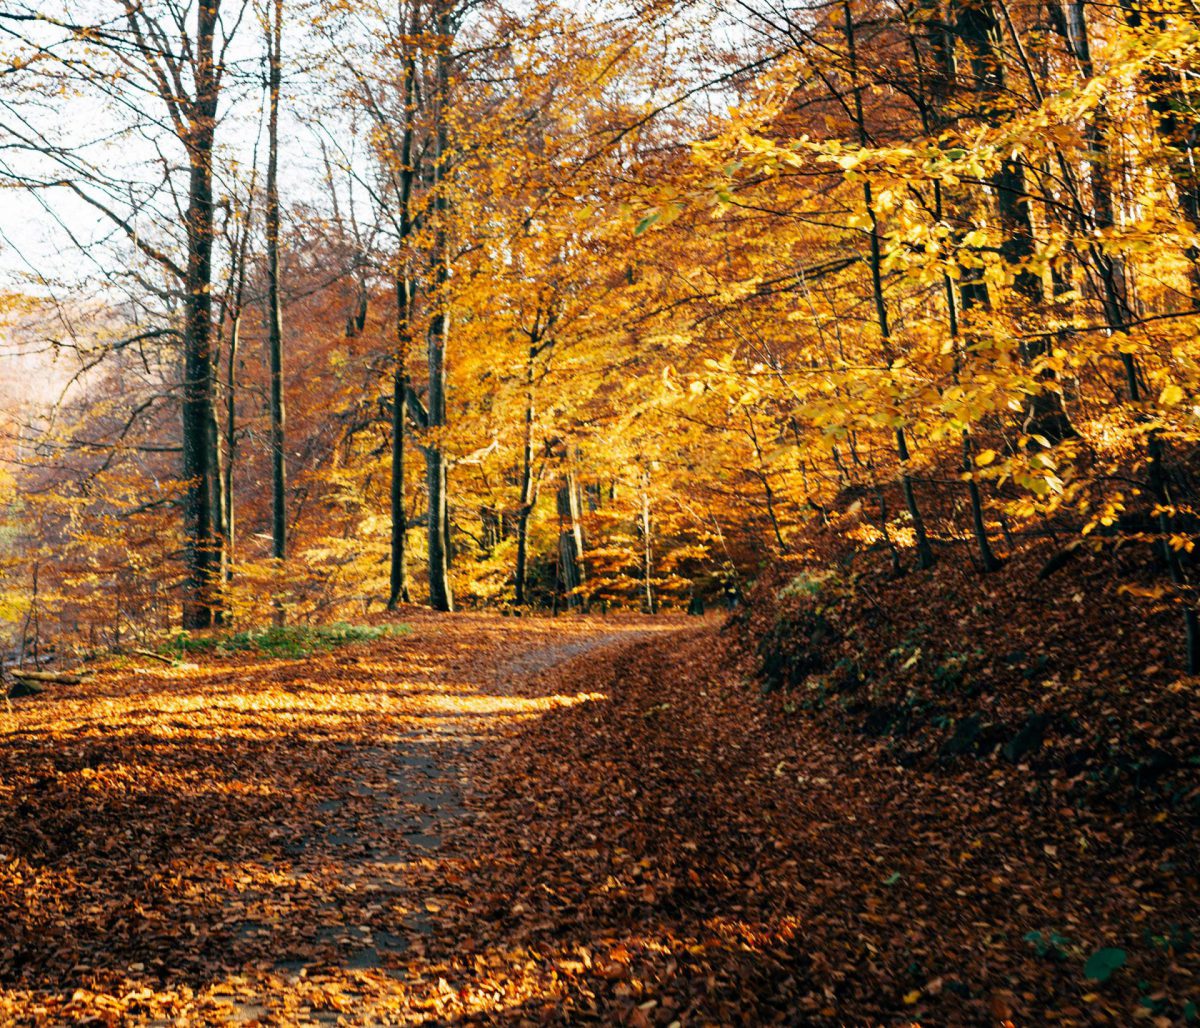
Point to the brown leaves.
(462, 827)
(259, 839)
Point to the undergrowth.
(281, 640)
(1052, 673)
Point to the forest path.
(400, 805)
(496, 821)
(268, 840)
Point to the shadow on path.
(258, 841)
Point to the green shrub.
(293, 641)
(807, 583)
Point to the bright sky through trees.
(689, 274)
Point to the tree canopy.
(574, 308)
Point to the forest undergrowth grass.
(295, 641)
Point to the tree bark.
(765, 482)
(274, 305)
(980, 30)
(440, 594)
(202, 544)
(570, 539)
(398, 585)
(239, 251)
(933, 107)
(649, 603)
(218, 471)
(1165, 102)
(1168, 97)
(527, 491)
(925, 558)
(229, 515)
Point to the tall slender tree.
(925, 555)
(404, 177)
(274, 39)
(441, 596)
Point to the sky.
(53, 244)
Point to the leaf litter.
(521, 821)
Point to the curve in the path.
(428, 788)
(542, 659)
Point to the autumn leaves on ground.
(479, 819)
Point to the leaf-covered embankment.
(690, 849)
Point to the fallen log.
(153, 656)
(49, 677)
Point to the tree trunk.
(765, 482)
(228, 515)
(1161, 488)
(527, 492)
(978, 27)
(1168, 97)
(218, 470)
(925, 558)
(933, 119)
(570, 540)
(202, 545)
(648, 600)
(987, 556)
(275, 311)
(1166, 101)
(238, 257)
(398, 585)
(440, 595)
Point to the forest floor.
(494, 820)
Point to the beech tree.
(173, 56)
(639, 304)
(274, 43)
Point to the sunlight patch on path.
(394, 823)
